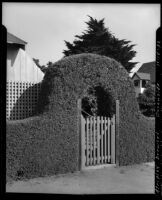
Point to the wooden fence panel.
(99, 139)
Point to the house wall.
(12, 51)
(137, 89)
(142, 90)
(21, 67)
(23, 84)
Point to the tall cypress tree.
(99, 40)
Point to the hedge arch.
(55, 129)
(70, 78)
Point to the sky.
(45, 26)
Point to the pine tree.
(99, 40)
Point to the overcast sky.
(45, 26)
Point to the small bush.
(147, 101)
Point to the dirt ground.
(109, 180)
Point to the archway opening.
(98, 102)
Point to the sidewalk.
(110, 180)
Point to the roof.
(148, 67)
(142, 76)
(13, 39)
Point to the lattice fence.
(21, 99)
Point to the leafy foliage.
(99, 40)
(147, 101)
(98, 102)
(43, 68)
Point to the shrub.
(35, 148)
(147, 101)
(49, 143)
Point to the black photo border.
(158, 116)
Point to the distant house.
(149, 68)
(140, 80)
(22, 74)
(145, 74)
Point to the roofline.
(135, 74)
(16, 38)
(149, 62)
(138, 76)
(146, 63)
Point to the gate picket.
(101, 139)
(87, 144)
(98, 141)
(113, 140)
(94, 158)
(83, 139)
(106, 143)
(90, 140)
(108, 140)
(105, 138)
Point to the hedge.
(49, 143)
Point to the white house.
(22, 75)
(150, 68)
(20, 66)
(140, 80)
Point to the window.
(144, 83)
(136, 83)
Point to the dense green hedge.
(49, 143)
(35, 147)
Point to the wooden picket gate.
(97, 141)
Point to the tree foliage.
(99, 40)
(147, 101)
(43, 68)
